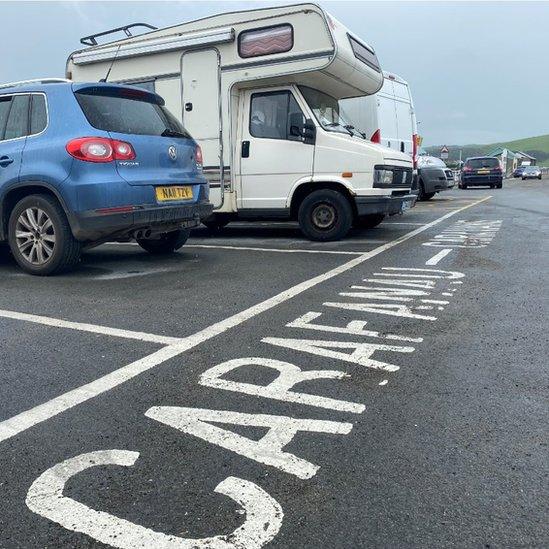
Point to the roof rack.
(91, 40)
(34, 81)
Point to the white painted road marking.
(25, 420)
(267, 450)
(92, 328)
(276, 250)
(45, 498)
(436, 258)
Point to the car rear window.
(128, 111)
(476, 163)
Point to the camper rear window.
(266, 41)
(127, 113)
(364, 54)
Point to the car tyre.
(216, 222)
(40, 237)
(369, 221)
(325, 215)
(166, 244)
(422, 195)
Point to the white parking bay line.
(25, 420)
(436, 258)
(93, 328)
(287, 250)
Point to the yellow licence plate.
(484, 171)
(167, 194)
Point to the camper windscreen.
(128, 113)
(328, 112)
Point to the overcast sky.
(478, 70)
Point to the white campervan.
(259, 91)
(388, 117)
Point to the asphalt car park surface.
(427, 425)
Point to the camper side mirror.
(309, 132)
(302, 127)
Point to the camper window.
(266, 41)
(364, 54)
(273, 113)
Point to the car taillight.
(376, 137)
(100, 149)
(198, 157)
(122, 150)
(414, 150)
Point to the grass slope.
(535, 146)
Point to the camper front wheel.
(325, 215)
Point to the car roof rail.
(91, 40)
(34, 81)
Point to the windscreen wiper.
(360, 132)
(350, 128)
(337, 124)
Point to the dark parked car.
(82, 164)
(531, 172)
(518, 171)
(481, 171)
(433, 176)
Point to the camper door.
(201, 92)
(273, 153)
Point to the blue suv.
(82, 164)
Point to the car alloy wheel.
(35, 236)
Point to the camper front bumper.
(385, 205)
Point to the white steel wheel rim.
(35, 236)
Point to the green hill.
(535, 146)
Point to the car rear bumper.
(471, 180)
(385, 205)
(94, 226)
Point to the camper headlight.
(383, 177)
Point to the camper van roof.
(318, 43)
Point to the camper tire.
(166, 244)
(369, 221)
(325, 215)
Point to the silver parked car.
(531, 172)
(433, 176)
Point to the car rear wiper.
(172, 133)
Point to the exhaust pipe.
(141, 233)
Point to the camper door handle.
(245, 149)
(188, 107)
